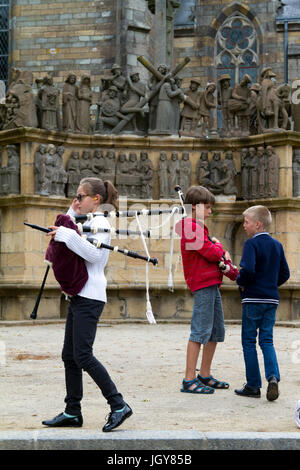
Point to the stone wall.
(23, 249)
(64, 36)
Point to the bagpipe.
(63, 261)
(59, 256)
(225, 265)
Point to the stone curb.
(184, 440)
(108, 322)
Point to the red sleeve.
(232, 272)
(194, 237)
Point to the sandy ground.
(147, 363)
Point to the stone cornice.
(28, 134)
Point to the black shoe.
(116, 418)
(272, 390)
(248, 392)
(61, 421)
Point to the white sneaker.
(297, 414)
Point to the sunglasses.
(79, 197)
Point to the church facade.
(53, 40)
(88, 37)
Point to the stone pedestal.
(23, 249)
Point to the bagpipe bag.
(69, 269)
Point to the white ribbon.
(149, 312)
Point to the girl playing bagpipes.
(204, 263)
(86, 285)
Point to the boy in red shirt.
(201, 258)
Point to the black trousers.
(77, 355)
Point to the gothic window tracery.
(236, 49)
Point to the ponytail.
(107, 191)
(111, 194)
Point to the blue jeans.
(259, 318)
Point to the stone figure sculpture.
(260, 172)
(215, 171)
(163, 176)
(133, 181)
(11, 117)
(255, 121)
(253, 173)
(128, 175)
(153, 102)
(69, 103)
(49, 96)
(165, 119)
(185, 169)
(40, 169)
(10, 175)
(47, 174)
(21, 102)
(174, 172)
(109, 166)
(117, 79)
(74, 174)
(272, 108)
(134, 92)
(38, 103)
(226, 184)
(224, 95)
(121, 174)
(98, 164)
(272, 179)
(146, 171)
(262, 168)
(190, 112)
(296, 172)
(218, 175)
(84, 101)
(245, 173)
(109, 114)
(60, 176)
(86, 164)
(203, 170)
(176, 102)
(239, 107)
(207, 103)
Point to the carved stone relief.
(172, 172)
(296, 173)
(217, 174)
(10, 174)
(161, 106)
(259, 172)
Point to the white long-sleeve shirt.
(95, 258)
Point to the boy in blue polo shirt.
(263, 269)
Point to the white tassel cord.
(149, 312)
(174, 211)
